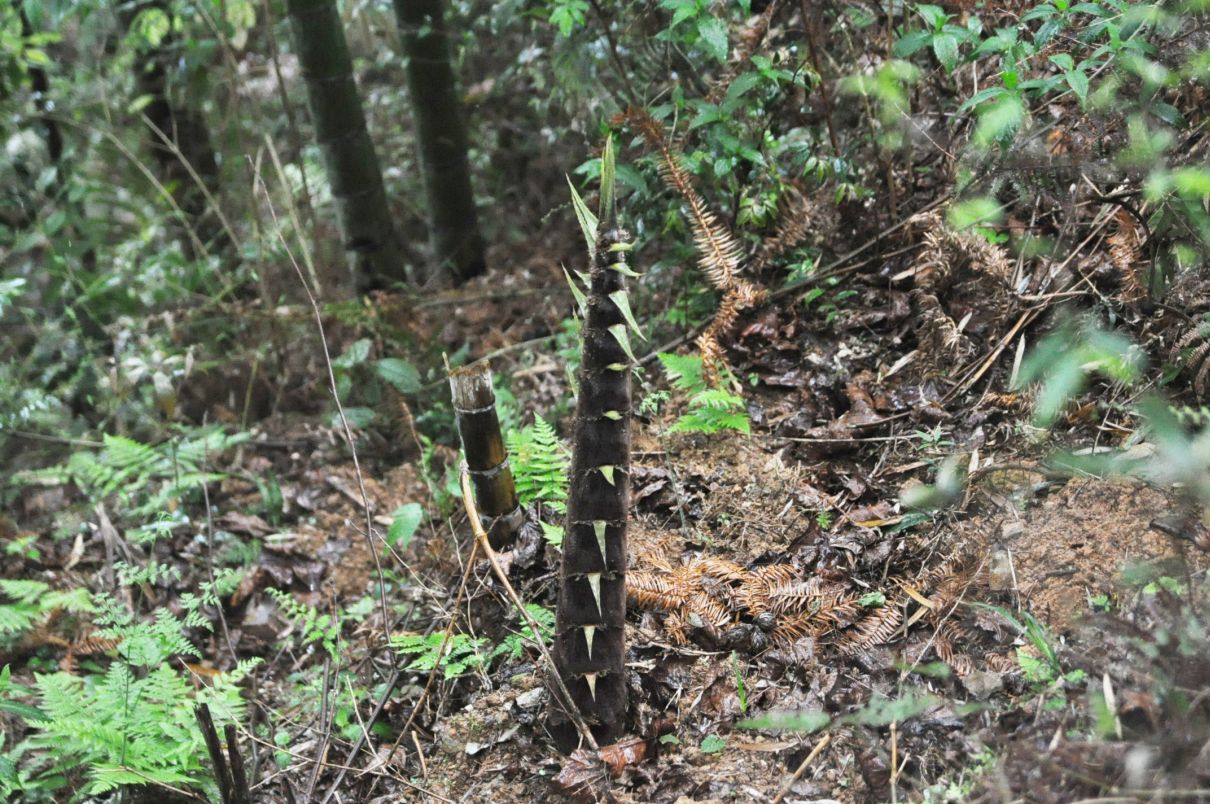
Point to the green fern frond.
(539, 461)
(710, 410)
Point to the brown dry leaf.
(584, 777)
(247, 524)
(622, 753)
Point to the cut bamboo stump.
(486, 457)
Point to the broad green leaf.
(912, 42)
(404, 523)
(974, 212)
(1064, 60)
(807, 721)
(399, 373)
(713, 32)
(1079, 84)
(945, 47)
(881, 711)
(1192, 181)
(999, 119)
(934, 16)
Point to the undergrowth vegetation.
(231, 477)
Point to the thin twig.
(468, 501)
(416, 708)
(344, 423)
(802, 768)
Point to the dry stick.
(809, 22)
(468, 501)
(222, 774)
(326, 713)
(306, 759)
(361, 484)
(344, 423)
(147, 174)
(447, 635)
(239, 778)
(802, 768)
(894, 762)
(308, 259)
(175, 150)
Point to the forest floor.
(1040, 636)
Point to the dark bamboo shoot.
(590, 624)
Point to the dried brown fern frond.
(88, 645)
(1190, 352)
(1126, 254)
(795, 596)
(791, 629)
(774, 573)
(942, 347)
(946, 584)
(944, 253)
(798, 215)
(675, 625)
(719, 568)
(719, 253)
(654, 590)
(878, 627)
(741, 296)
(712, 612)
(754, 590)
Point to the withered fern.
(719, 252)
(590, 621)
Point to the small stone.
(532, 699)
(982, 684)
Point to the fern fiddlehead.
(590, 623)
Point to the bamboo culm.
(590, 622)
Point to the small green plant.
(359, 381)
(932, 440)
(513, 644)
(463, 654)
(129, 725)
(872, 600)
(878, 711)
(539, 462)
(1040, 663)
(712, 744)
(457, 656)
(741, 689)
(963, 787)
(145, 479)
(314, 626)
(33, 602)
(710, 409)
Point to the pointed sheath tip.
(590, 631)
(608, 211)
(594, 584)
